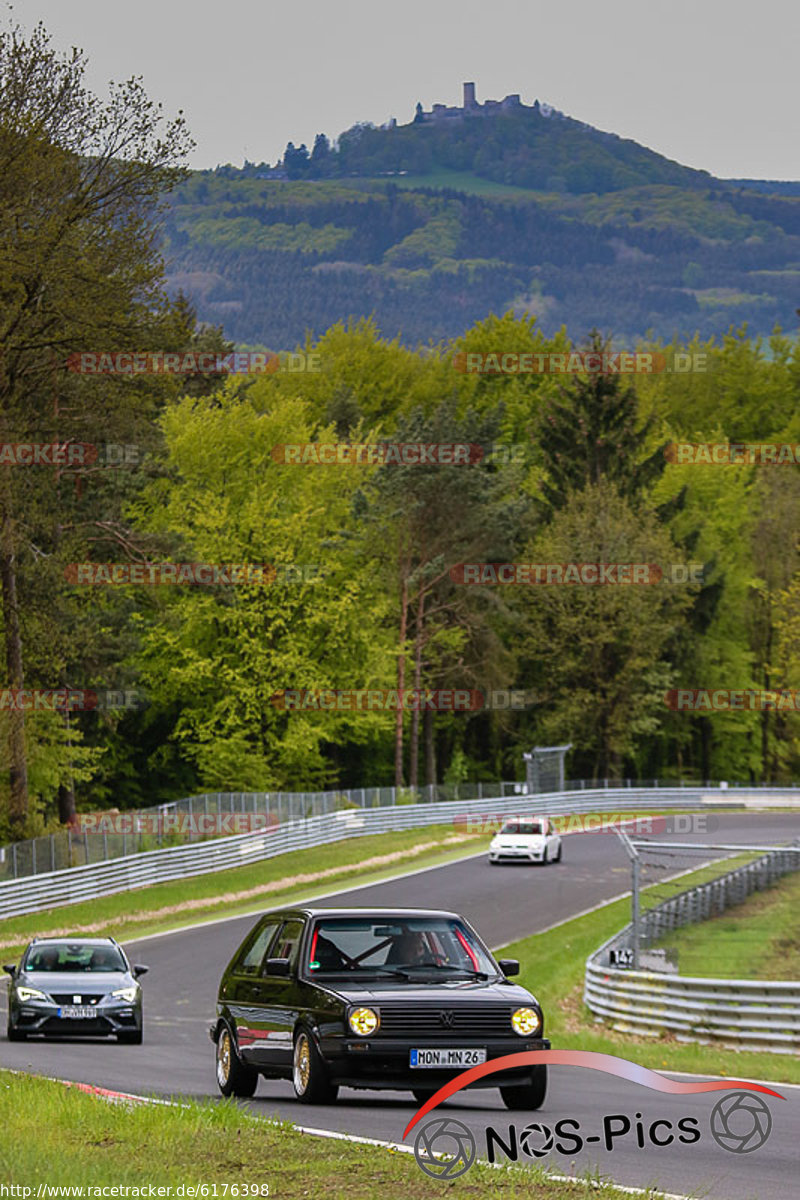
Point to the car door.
(273, 1009)
(242, 994)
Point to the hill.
(516, 211)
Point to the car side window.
(250, 962)
(288, 942)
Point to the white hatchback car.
(526, 839)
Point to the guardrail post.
(14, 857)
(105, 845)
(33, 856)
(635, 913)
(52, 852)
(86, 846)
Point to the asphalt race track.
(504, 903)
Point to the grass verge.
(50, 1134)
(759, 939)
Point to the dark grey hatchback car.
(69, 986)
(372, 998)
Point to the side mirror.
(10, 969)
(139, 969)
(277, 966)
(509, 966)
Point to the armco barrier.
(748, 1014)
(74, 884)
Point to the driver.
(410, 949)
(46, 959)
(102, 960)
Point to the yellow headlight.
(525, 1021)
(363, 1021)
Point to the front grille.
(97, 1025)
(468, 1020)
(85, 997)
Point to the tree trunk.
(66, 791)
(18, 765)
(430, 747)
(401, 677)
(413, 770)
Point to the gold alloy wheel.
(224, 1051)
(302, 1064)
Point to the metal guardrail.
(74, 884)
(748, 1014)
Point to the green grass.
(50, 1134)
(759, 939)
(461, 181)
(553, 968)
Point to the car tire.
(309, 1077)
(527, 1096)
(15, 1035)
(545, 857)
(234, 1078)
(557, 858)
(130, 1037)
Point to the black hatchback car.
(372, 998)
(69, 986)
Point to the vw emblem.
(446, 1018)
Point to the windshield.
(58, 956)
(396, 947)
(525, 827)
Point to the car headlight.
(363, 1021)
(128, 993)
(29, 993)
(526, 1021)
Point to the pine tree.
(592, 433)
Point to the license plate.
(77, 1012)
(447, 1058)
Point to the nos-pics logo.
(445, 1148)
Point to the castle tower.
(469, 96)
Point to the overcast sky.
(711, 83)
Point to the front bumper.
(41, 1017)
(384, 1062)
(516, 855)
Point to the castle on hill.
(471, 108)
